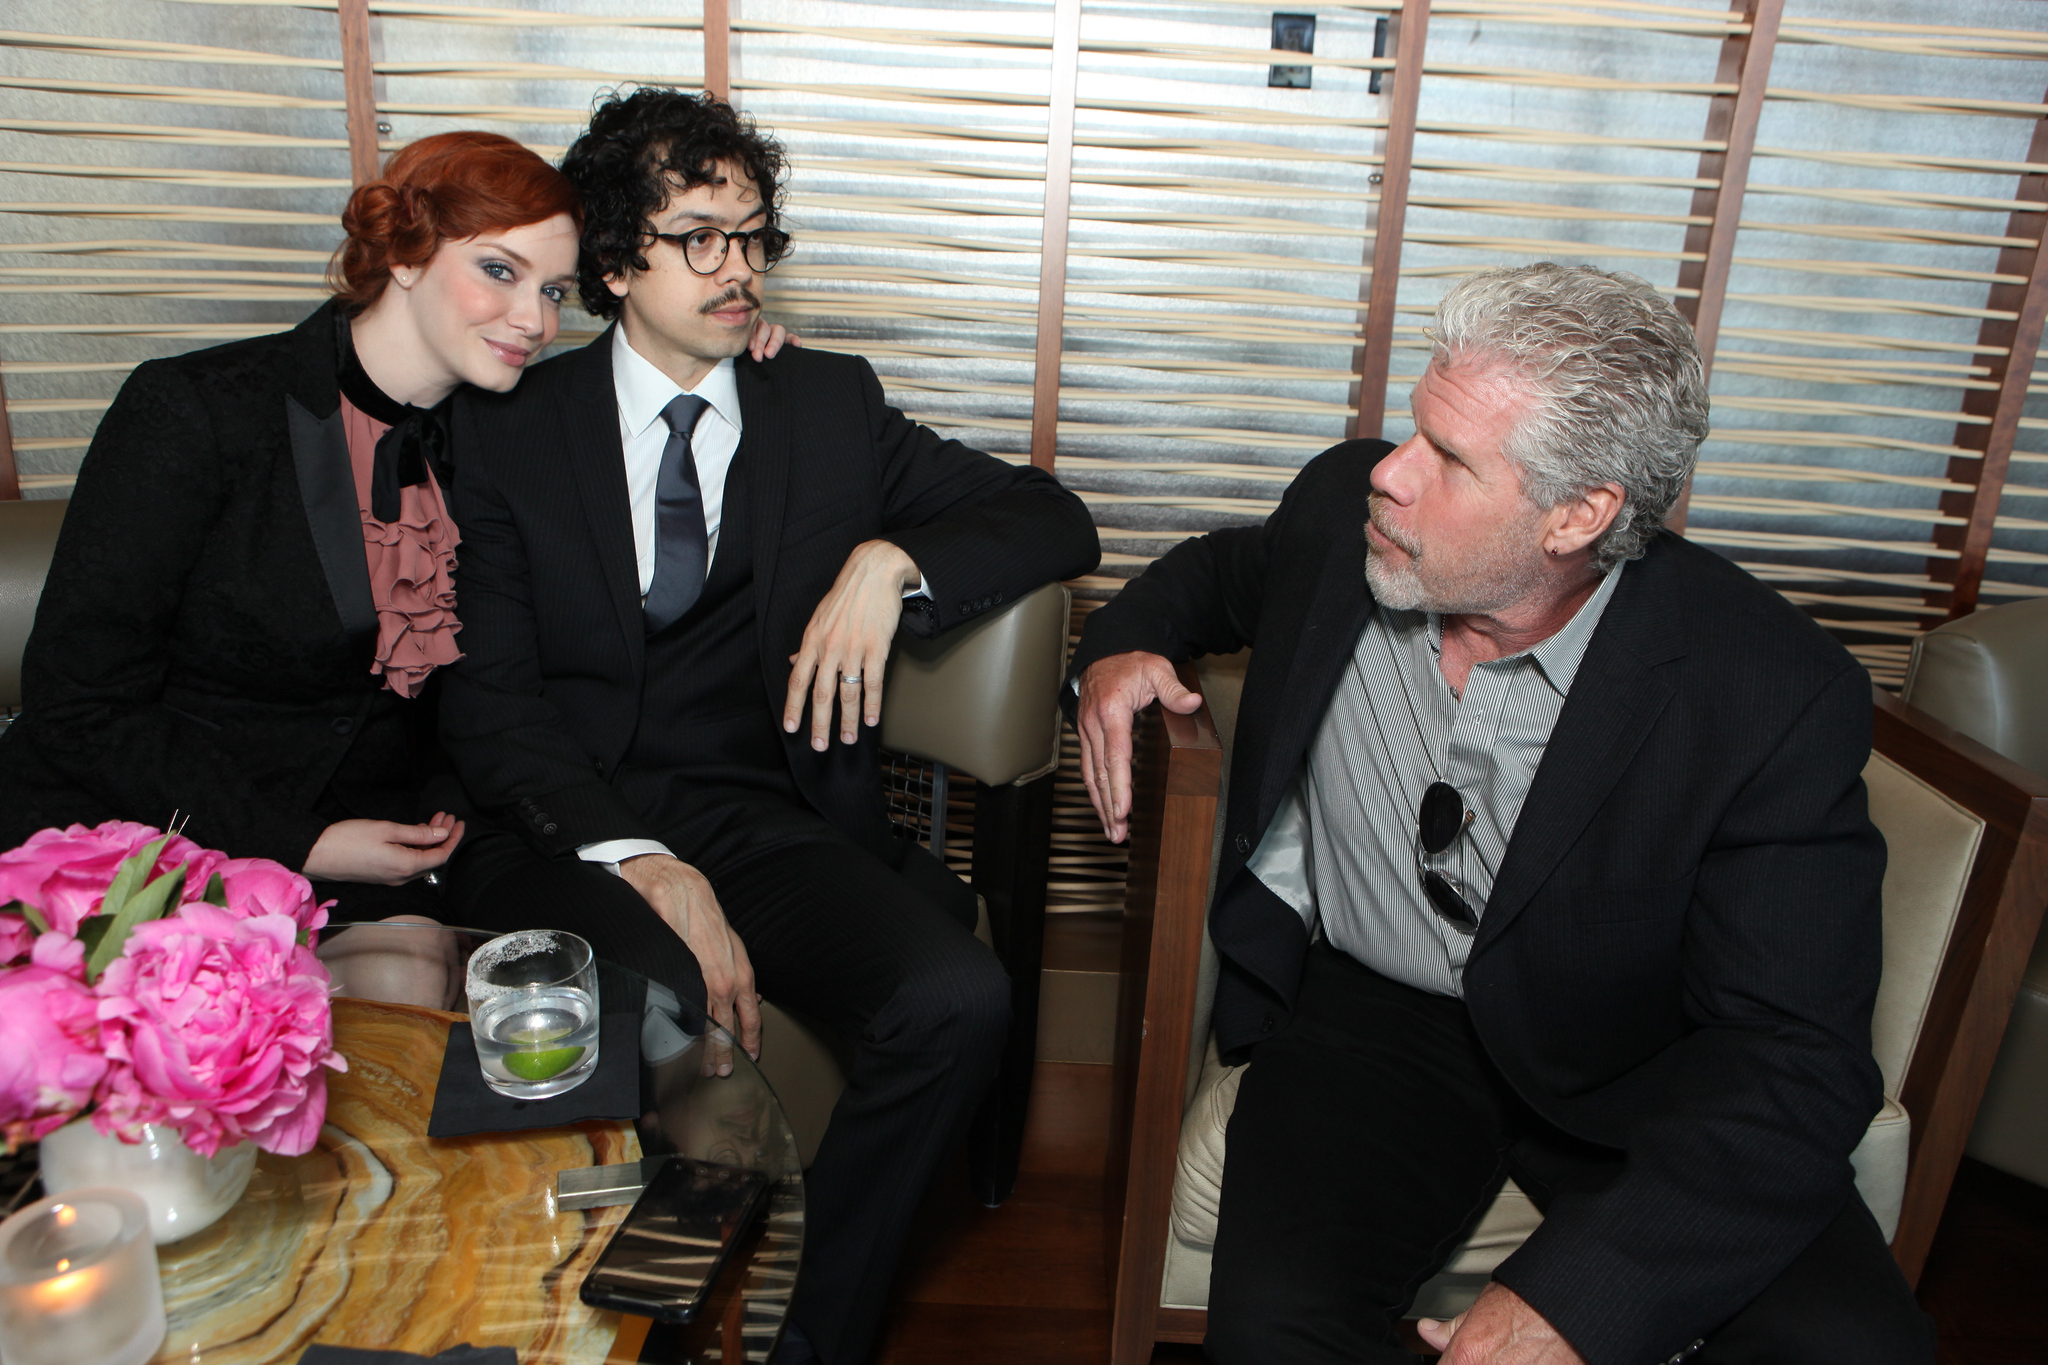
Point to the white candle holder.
(78, 1282)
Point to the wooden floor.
(1025, 1284)
(1990, 1259)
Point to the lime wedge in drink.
(544, 1064)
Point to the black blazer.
(544, 706)
(204, 640)
(1680, 955)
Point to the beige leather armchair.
(1987, 675)
(1968, 834)
(981, 701)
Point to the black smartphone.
(663, 1260)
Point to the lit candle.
(78, 1282)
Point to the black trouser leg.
(1371, 1133)
(358, 901)
(1367, 1140)
(882, 956)
(857, 947)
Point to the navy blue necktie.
(680, 540)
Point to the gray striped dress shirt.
(1342, 849)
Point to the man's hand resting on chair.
(682, 896)
(1500, 1328)
(846, 644)
(1113, 691)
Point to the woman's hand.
(769, 338)
(382, 852)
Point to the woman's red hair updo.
(444, 188)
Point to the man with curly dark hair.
(670, 550)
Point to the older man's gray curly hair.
(1621, 395)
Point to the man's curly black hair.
(641, 147)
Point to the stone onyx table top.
(383, 1238)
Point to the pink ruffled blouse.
(412, 567)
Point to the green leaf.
(93, 931)
(151, 902)
(33, 916)
(216, 892)
(134, 871)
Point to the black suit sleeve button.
(1244, 845)
(1266, 1025)
(343, 725)
(547, 829)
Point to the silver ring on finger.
(850, 679)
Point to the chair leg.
(1012, 852)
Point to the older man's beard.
(1480, 581)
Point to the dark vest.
(709, 733)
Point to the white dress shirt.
(643, 391)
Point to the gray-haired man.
(1546, 856)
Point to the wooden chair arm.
(1177, 785)
(1987, 952)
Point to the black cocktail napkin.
(464, 1354)
(464, 1104)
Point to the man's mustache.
(739, 293)
(1401, 542)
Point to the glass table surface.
(384, 1238)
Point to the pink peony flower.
(65, 873)
(57, 951)
(15, 938)
(50, 1062)
(220, 1027)
(258, 886)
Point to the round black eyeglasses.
(1444, 817)
(704, 249)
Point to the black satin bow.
(417, 441)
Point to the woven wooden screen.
(1092, 235)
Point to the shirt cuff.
(612, 852)
(923, 588)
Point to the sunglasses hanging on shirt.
(1444, 817)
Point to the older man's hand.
(1500, 1328)
(1113, 692)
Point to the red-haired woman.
(254, 585)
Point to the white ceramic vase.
(184, 1190)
